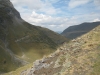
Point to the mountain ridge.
(78, 30)
(21, 42)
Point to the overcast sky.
(57, 15)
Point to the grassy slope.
(86, 59)
(79, 57)
(54, 36)
(24, 40)
(19, 70)
(33, 47)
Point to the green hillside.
(20, 42)
(80, 56)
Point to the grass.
(19, 70)
(38, 44)
(62, 60)
(5, 61)
(96, 67)
(32, 55)
(87, 60)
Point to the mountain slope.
(53, 36)
(21, 42)
(80, 56)
(78, 30)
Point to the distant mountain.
(21, 42)
(59, 32)
(73, 32)
(80, 56)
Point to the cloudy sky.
(57, 15)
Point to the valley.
(20, 42)
(33, 49)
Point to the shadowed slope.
(73, 32)
(21, 42)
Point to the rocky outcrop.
(6, 2)
(75, 58)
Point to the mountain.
(59, 32)
(73, 32)
(80, 56)
(21, 42)
(57, 38)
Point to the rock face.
(73, 32)
(6, 2)
(21, 42)
(78, 57)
